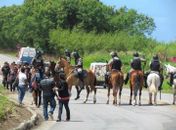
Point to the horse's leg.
(87, 88)
(11, 89)
(155, 100)
(150, 98)
(108, 94)
(131, 93)
(35, 97)
(115, 91)
(174, 98)
(94, 98)
(135, 95)
(174, 95)
(40, 98)
(140, 93)
(120, 93)
(78, 92)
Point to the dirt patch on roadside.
(13, 119)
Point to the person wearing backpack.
(47, 84)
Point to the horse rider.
(38, 62)
(155, 67)
(115, 64)
(76, 56)
(68, 55)
(135, 65)
(47, 84)
(5, 71)
(79, 69)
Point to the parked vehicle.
(99, 69)
(26, 55)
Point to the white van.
(99, 69)
(26, 55)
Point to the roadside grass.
(9, 52)
(6, 106)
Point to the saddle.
(77, 73)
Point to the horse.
(72, 80)
(171, 70)
(153, 83)
(136, 83)
(116, 83)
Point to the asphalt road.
(101, 116)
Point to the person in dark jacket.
(47, 85)
(135, 65)
(68, 55)
(63, 97)
(155, 66)
(38, 63)
(5, 71)
(76, 56)
(115, 64)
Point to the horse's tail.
(152, 87)
(137, 85)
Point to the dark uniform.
(79, 69)
(47, 85)
(135, 65)
(68, 55)
(63, 97)
(39, 63)
(115, 64)
(76, 56)
(156, 67)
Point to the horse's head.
(62, 63)
(52, 65)
(170, 69)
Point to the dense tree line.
(88, 25)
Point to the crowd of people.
(39, 81)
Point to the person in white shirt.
(22, 85)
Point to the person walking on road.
(63, 97)
(22, 85)
(47, 85)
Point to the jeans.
(46, 100)
(65, 103)
(21, 93)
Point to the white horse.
(174, 91)
(153, 82)
(171, 69)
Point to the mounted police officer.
(68, 55)
(135, 65)
(79, 69)
(39, 63)
(155, 66)
(76, 56)
(115, 64)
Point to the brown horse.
(136, 83)
(72, 80)
(116, 83)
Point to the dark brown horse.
(72, 80)
(136, 84)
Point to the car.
(26, 55)
(99, 69)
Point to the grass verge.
(6, 106)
